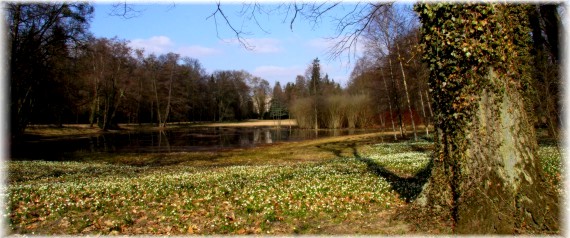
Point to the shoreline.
(84, 129)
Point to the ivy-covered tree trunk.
(486, 176)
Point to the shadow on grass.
(408, 188)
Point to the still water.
(188, 139)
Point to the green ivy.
(461, 43)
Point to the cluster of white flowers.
(214, 200)
(551, 158)
(400, 157)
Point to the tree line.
(60, 73)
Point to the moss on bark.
(486, 176)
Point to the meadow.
(341, 185)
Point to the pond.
(176, 140)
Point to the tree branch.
(350, 28)
(238, 33)
(124, 10)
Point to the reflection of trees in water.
(277, 136)
(101, 143)
(256, 135)
(261, 136)
(336, 132)
(246, 138)
(229, 137)
(158, 141)
(268, 139)
(163, 140)
(171, 140)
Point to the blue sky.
(182, 28)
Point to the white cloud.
(155, 44)
(198, 51)
(163, 44)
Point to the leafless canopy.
(350, 25)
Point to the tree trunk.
(114, 110)
(426, 123)
(486, 177)
(94, 111)
(156, 101)
(95, 104)
(168, 100)
(389, 104)
(139, 102)
(429, 105)
(488, 173)
(407, 93)
(396, 94)
(151, 112)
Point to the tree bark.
(426, 123)
(167, 112)
(407, 93)
(429, 105)
(389, 103)
(487, 177)
(155, 87)
(396, 94)
(488, 173)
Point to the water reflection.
(189, 139)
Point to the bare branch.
(350, 29)
(317, 13)
(255, 9)
(124, 10)
(297, 9)
(171, 6)
(239, 34)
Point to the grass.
(298, 187)
(237, 199)
(551, 160)
(343, 185)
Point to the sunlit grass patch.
(285, 189)
(551, 160)
(404, 158)
(236, 199)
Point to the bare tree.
(260, 88)
(389, 101)
(109, 72)
(39, 36)
(383, 33)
